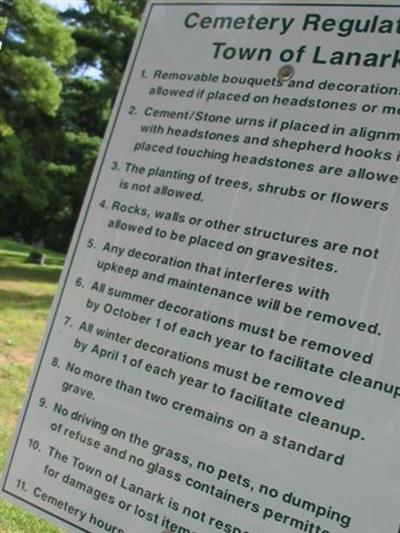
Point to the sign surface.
(222, 354)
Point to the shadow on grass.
(16, 300)
(52, 258)
(26, 272)
(23, 258)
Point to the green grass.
(13, 248)
(26, 292)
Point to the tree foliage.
(59, 74)
(37, 47)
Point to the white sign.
(222, 354)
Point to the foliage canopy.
(53, 109)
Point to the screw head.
(286, 73)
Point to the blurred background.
(60, 67)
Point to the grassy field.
(26, 292)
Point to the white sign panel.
(222, 354)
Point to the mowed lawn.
(26, 293)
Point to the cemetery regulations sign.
(222, 354)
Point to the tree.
(55, 100)
(37, 49)
(5, 6)
(104, 32)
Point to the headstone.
(37, 258)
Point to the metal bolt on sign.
(286, 73)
